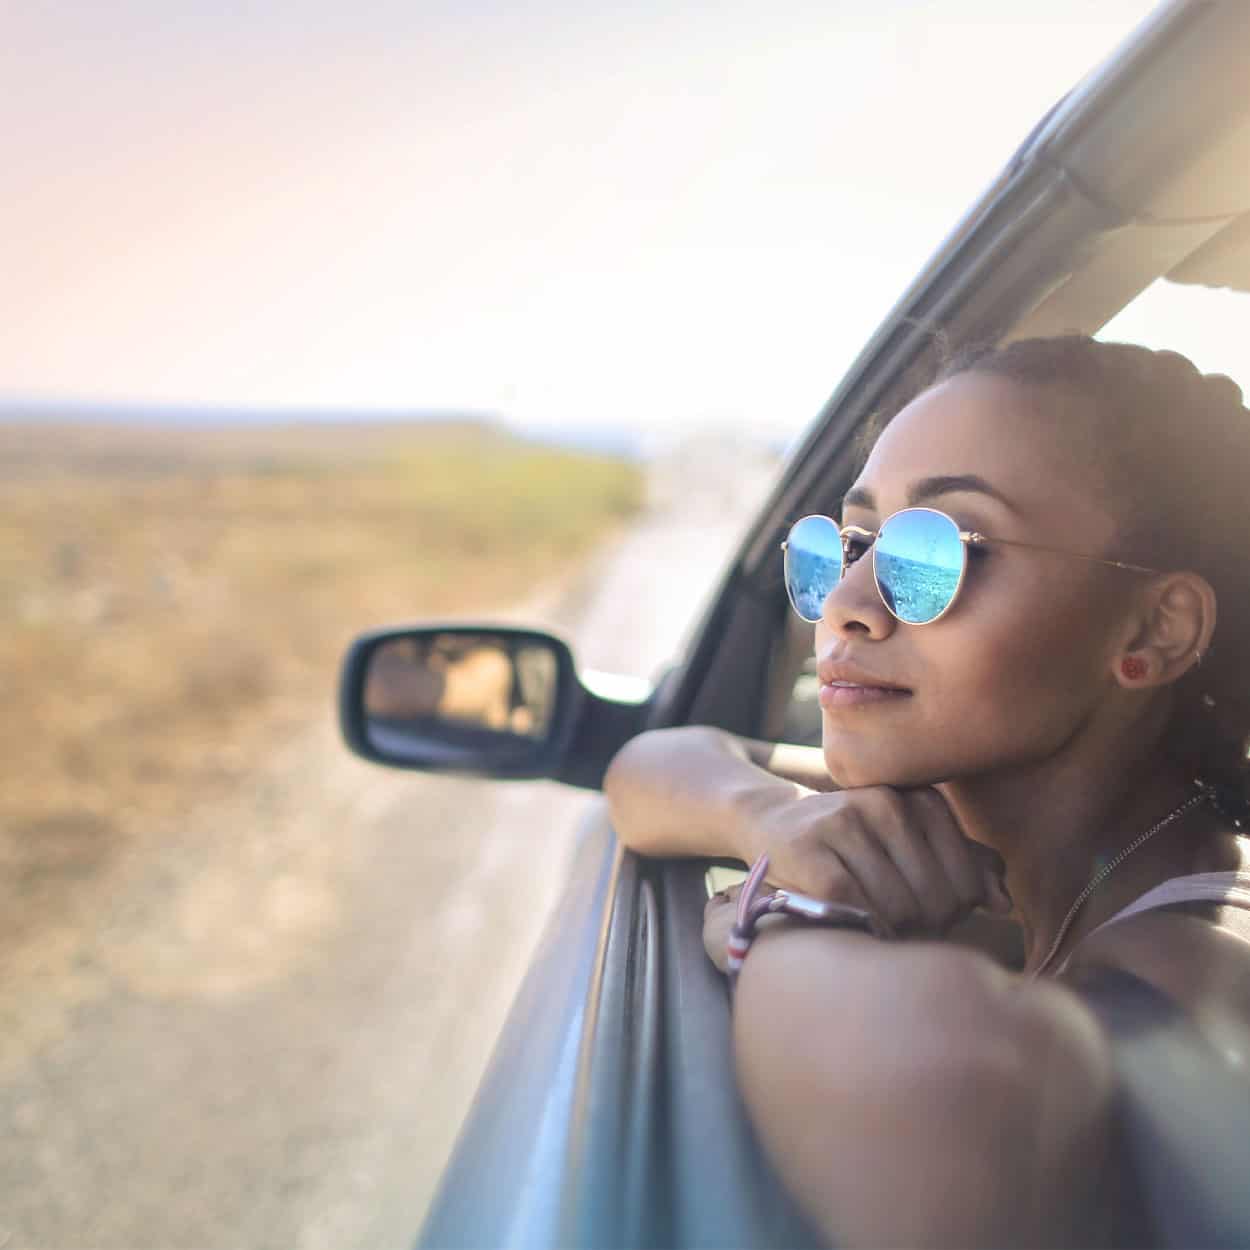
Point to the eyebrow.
(928, 488)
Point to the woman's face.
(1022, 660)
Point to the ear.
(1170, 632)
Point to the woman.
(1023, 739)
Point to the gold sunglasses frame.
(967, 538)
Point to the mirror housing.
(484, 700)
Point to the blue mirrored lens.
(918, 559)
(813, 564)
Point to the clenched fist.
(898, 854)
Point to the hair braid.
(1173, 445)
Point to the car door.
(609, 1115)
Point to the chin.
(854, 770)
(855, 774)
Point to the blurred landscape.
(174, 600)
(219, 1021)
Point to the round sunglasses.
(919, 560)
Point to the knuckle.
(853, 837)
(875, 802)
(930, 799)
(791, 841)
(896, 834)
(931, 807)
(890, 800)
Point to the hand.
(718, 919)
(719, 915)
(898, 854)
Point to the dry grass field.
(172, 600)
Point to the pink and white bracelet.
(753, 907)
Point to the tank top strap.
(1231, 889)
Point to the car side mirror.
(483, 700)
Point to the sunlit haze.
(564, 214)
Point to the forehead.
(1013, 436)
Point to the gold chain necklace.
(1204, 793)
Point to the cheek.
(1017, 676)
(1024, 675)
(998, 682)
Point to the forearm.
(803, 765)
(695, 790)
(937, 1113)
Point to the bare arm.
(696, 790)
(960, 1109)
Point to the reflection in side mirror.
(460, 699)
(470, 681)
(484, 700)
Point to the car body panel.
(507, 1180)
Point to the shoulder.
(1171, 987)
(1196, 954)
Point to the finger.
(974, 871)
(907, 844)
(880, 882)
(993, 869)
(833, 880)
(804, 857)
(723, 903)
(718, 920)
(988, 863)
(801, 861)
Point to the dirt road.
(273, 1035)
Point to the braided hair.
(1173, 446)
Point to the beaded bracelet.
(753, 907)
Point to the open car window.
(1209, 324)
(1201, 308)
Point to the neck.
(1052, 850)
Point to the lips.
(847, 685)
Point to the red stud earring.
(1133, 667)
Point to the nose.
(854, 606)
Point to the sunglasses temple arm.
(979, 540)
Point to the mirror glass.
(453, 695)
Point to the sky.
(567, 214)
